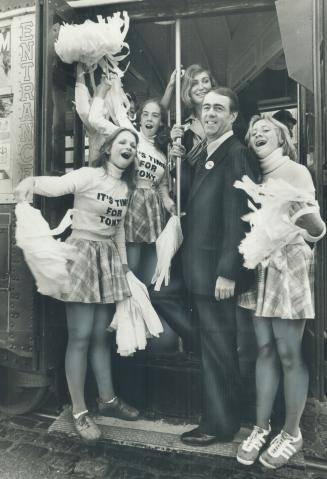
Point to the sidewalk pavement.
(29, 451)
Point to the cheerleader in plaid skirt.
(145, 217)
(146, 214)
(97, 274)
(149, 203)
(282, 302)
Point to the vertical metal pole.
(178, 108)
(178, 66)
(319, 151)
(301, 125)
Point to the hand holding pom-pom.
(104, 86)
(306, 216)
(282, 216)
(24, 190)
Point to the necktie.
(201, 159)
(193, 155)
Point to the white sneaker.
(249, 449)
(281, 449)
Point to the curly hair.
(284, 138)
(187, 83)
(101, 161)
(162, 137)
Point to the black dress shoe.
(196, 437)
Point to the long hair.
(101, 161)
(187, 83)
(285, 140)
(162, 137)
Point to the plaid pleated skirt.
(285, 288)
(97, 274)
(145, 217)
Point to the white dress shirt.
(212, 147)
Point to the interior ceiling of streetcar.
(242, 50)
(213, 42)
(203, 40)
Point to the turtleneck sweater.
(277, 166)
(100, 202)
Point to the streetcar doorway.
(242, 47)
(243, 51)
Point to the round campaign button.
(209, 164)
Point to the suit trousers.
(172, 302)
(220, 367)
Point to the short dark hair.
(101, 161)
(234, 105)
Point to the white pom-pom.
(89, 42)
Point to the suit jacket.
(213, 224)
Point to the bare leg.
(100, 354)
(289, 334)
(80, 318)
(267, 370)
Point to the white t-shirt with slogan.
(151, 169)
(151, 162)
(100, 202)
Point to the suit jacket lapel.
(217, 156)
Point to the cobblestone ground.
(314, 428)
(27, 451)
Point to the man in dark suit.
(212, 264)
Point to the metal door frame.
(150, 11)
(46, 11)
(320, 89)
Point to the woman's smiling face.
(264, 138)
(201, 84)
(123, 150)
